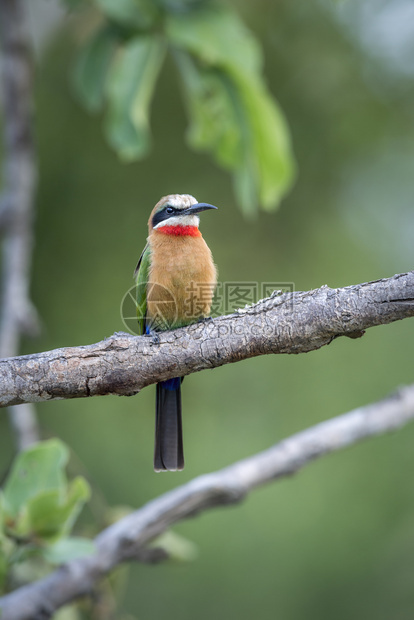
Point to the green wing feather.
(141, 274)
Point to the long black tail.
(169, 453)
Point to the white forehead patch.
(180, 220)
(182, 201)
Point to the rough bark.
(289, 323)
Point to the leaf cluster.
(232, 115)
(38, 508)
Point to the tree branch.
(16, 202)
(126, 540)
(288, 323)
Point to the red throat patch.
(180, 231)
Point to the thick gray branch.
(16, 202)
(288, 323)
(126, 539)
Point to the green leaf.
(39, 468)
(50, 515)
(130, 87)
(92, 67)
(214, 124)
(130, 13)
(177, 547)
(37, 501)
(216, 35)
(67, 549)
(68, 612)
(268, 142)
(245, 186)
(232, 114)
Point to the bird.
(175, 282)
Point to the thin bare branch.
(24, 423)
(127, 539)
(288, 323)
(18, 315)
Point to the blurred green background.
(336, 540)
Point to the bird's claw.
(154, 337)
(204, 319)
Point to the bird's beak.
(197, 208)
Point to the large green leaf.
(67, 549)
(92, 67)
(50, 515)
(267, 141)
(130, 87)
(37, 501)
(39, 468)
(216, 35)
(214, 124)
(232, 114)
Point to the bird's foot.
(154, 336)
(204, 319)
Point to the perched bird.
(176, 278)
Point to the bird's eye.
(169, 210)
